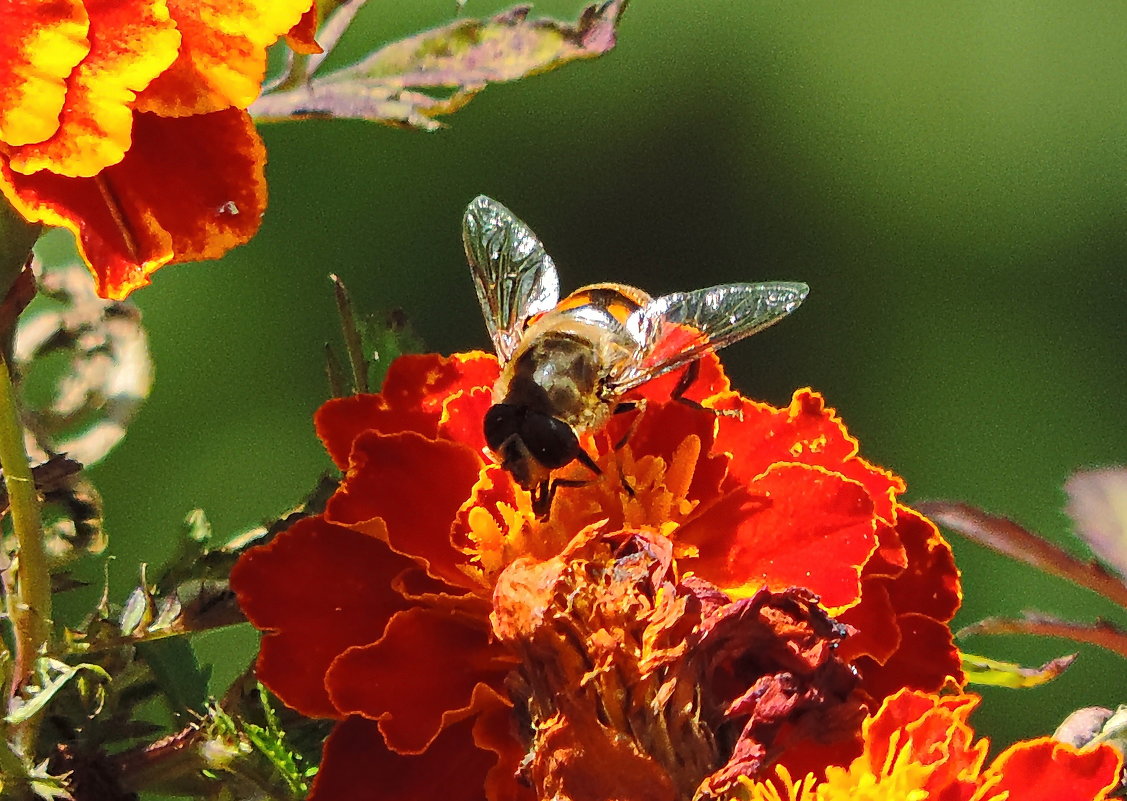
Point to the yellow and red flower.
(125, 121)
(920, 746)
(752, 562)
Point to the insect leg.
(585, 459)
(692, 372)
(629, 406)
(546, 491)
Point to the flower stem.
(14, 773)
(30, 609)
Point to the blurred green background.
(948, 177)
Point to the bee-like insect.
(566, 365)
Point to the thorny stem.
(30, 607)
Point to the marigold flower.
(920, 746)
(126, 123)
(428, 607)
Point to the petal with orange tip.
(41, 46)
(189, 189)
(1047, 770)
(222, 59)
(301, 37)
(131, 42)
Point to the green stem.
(30, 610)
(12, 768)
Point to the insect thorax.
(558, 373)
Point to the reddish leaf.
(463, 57)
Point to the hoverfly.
(566, 365)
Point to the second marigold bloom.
(125, 122)
(920, 746)
(753, 564)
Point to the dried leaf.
(1102, 633)
(110, 373)
(1082, 726)
(461, 58)
(991, 672)
(1012, 540)
(1097, 504)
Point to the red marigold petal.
(1047, 770)
(926, 658)
(316, 590)
(356, 765)
(930, 583)
(419, 678)
(341, 420)
(463, 415)
(415, 396)
(931, 734)
(873, 620)
(807, 432)
(131, 42)
(41, 45)
(407, 489)
(890, 558)
(302, 37)
(428, 380)
(189, 189)
(796, 526)
(222, 58)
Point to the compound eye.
(551, 442)
(501, 422)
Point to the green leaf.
(53, 676)
(388, 337)
(990, 672)
(462, 58)
(179, 675)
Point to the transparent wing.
(679, 328)
(515, 279)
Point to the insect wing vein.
(683, 326)
(514, 278)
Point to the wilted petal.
(41, 45)
(641, 686)
(132, 41)
(171, 199)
